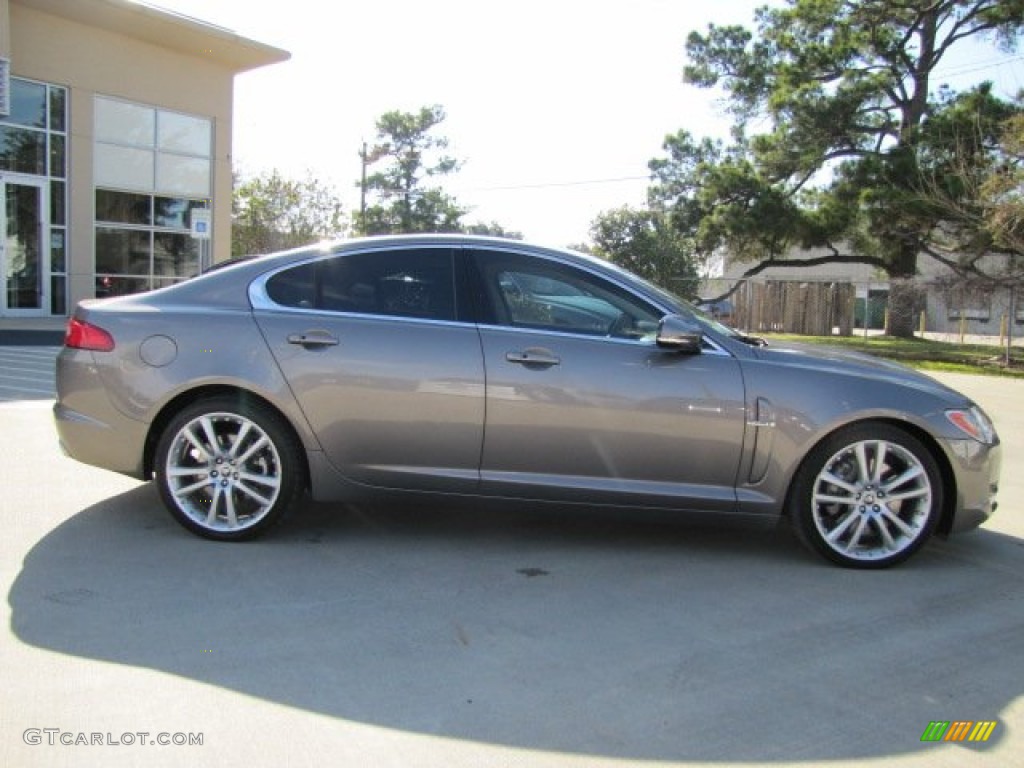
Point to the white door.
(24, 265)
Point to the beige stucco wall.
(5, 30)
(90, 60)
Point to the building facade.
(115, 148)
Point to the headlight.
(973, 422)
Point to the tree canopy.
(271, 212)
(406, 157)
(645, 242)
(841, 93)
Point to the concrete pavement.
(421, 636)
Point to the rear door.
(388, 375)
(583, 406)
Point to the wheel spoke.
(187, 471)
(896, 520)
(912, 472)
(863, 465)
(824, 498)
(887, 539)
(833, 479)
(186, 490)
(862, 524)
(268, 480)
(229, 505)
(916, 493)
(880, 449)
(248, 491)
(211, 516)
(252, 449)
(211, 435)
(839, 530)
(239, 439)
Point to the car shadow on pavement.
(580, 633)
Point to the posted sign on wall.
(202, 220)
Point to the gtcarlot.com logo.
(54, 737)
(958, 730)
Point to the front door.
(23, 263)
(582, 406)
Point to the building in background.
(115, 126)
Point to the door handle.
(540, 357)
(313, 339)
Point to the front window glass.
(530, 292)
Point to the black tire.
(853, 514)
(247, 455)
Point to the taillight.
(82, 335)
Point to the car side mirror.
(677, 333)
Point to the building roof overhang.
(166, 29)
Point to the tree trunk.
(905, 296)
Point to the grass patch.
(924, 353)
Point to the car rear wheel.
(228, 470)
(868, 496)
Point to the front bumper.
(976, 468)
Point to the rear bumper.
(89, 428)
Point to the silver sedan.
(484, 368)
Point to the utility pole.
(362, 194)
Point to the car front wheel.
(868, 496)
(228, 470)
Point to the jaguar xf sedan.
(491, 369)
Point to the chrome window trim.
(260, 300)
(712, 347)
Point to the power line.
(553, 184)
(976, 67)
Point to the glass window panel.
(124, 123)
(28, 104)
(58, 109)
(58, 250)
(175, 212)
(123, 167)
(22, 150)
(122, 251)
(114, 285)
(183, 133)
(524, 291)
(122, 207)
(58, 295)
(402, 283)
(175, 255)
(57, 155)
(294, 287)
(179, 175)
(58, 204)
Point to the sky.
(555, 107)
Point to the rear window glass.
(401, 283)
